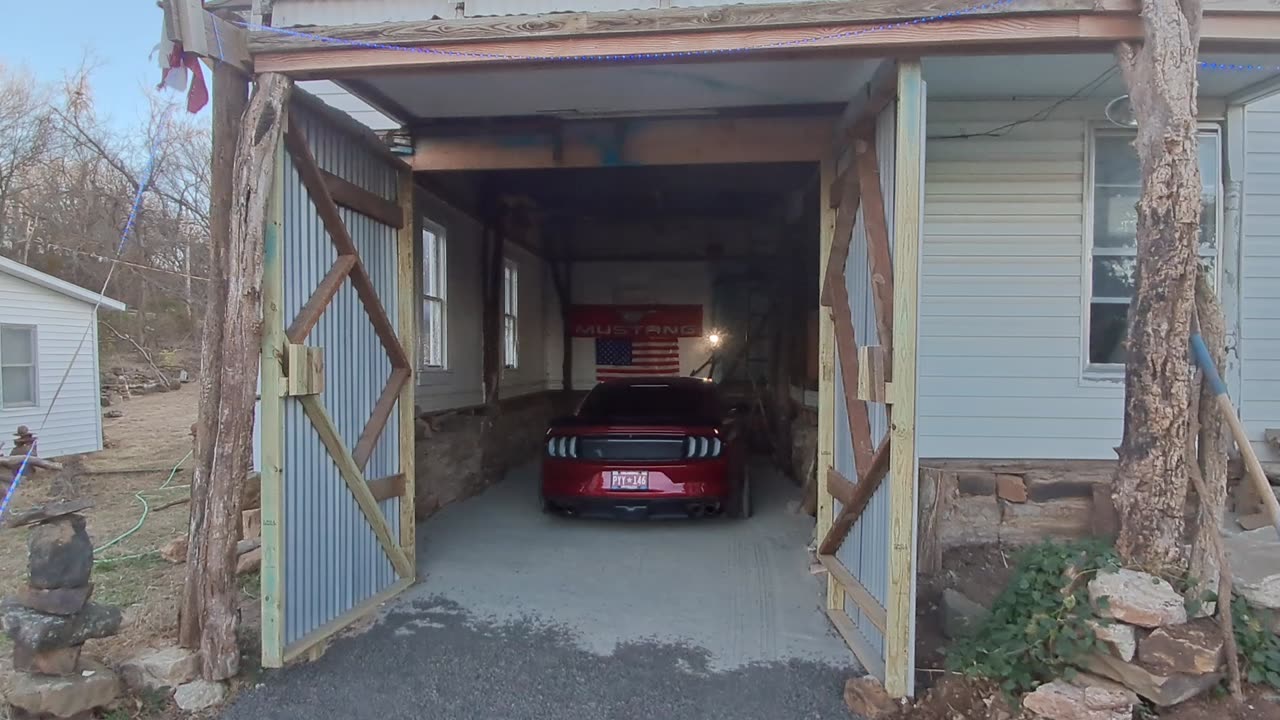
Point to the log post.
(1152, 474)
(211, 592)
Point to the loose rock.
(251, 524)
(959, 613)
(1137, 598)
(62, 661)
(1194, 648)
(1123, 639)
(60, 554)
(164, 668)
(199, 695)
(175, 551)
(1255, 563)
(92, 687)
(1060, 700)
(1163, 689)
(41, 632)
(249, 562)
(48, 512)
(1012, 488)
(867, 698)
(59, 601)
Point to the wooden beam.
(355, 481)
(378, 418)
(643, 142)
(692, 20)
(908, 203)
(866, 488)
(385, 488)
(873, 371)
(353, 197)
(207, 35)
(876, 226)
(304, 366)
(866, 602)
(841, 487)
(847, 356)
(407, 317)
(846, 217)
(853, 637)
(826, 375)
(868, 103)
(321, 635)
(320, 298)
(271, 464)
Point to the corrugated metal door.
(867, 517)
(336, 410)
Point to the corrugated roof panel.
(288, 13)
(480, 8)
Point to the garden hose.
(146, 511)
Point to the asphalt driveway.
(521, 616)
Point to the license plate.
(628, 479)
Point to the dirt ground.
(142, 449)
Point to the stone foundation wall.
(1011, 503)
(462, 452)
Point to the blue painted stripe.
(1200, 354)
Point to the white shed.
(48, 326)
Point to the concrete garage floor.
(524, 616)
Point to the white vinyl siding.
(74, 425)
(1002, 289)
(1260, 274)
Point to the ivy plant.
(1039, 626)
(1259, 647)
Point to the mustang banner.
(636, 322)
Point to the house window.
(433, 298)
(510, 314)
(18, 376)
(1116, 187)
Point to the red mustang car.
(644, 448)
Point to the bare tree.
(26, 133)
(1151, 480)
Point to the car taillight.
(702, 447)
(563, 446)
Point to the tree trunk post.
(1152, 475)
(213, 586)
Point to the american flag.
(623, 358)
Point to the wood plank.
(847, 355)
(846, 218)
(304, 367)
(826, 374)
(693, 19)
(208, 35)
(353, 197)
(379, 417)
(386, 332)
(681, 141)
(840, 487)
(870, 101)
(385, 488)
(271, 463)
(862, 494)
(320, 298)
(407, 317)
(873, 370)
(959, 35)
(321, 635)
(355, 481)
(876, 225)
(907, 222)
(854, 589)
(853, 637)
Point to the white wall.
(75, 425)
(1260, 274)
(461, 382)
(667, 283)
(1001, 289)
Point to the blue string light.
(623, 57)
(124, 238)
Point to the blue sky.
(50, 38)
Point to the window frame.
(34, 331)
(426, 364)
(510, 314)
(1110, 373)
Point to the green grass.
(122, 582)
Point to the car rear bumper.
(682, 489)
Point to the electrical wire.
(1040, 115)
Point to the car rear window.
(652, 403)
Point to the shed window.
(18, 365)
(510, 314)
(434, 269)
(1116, 187)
